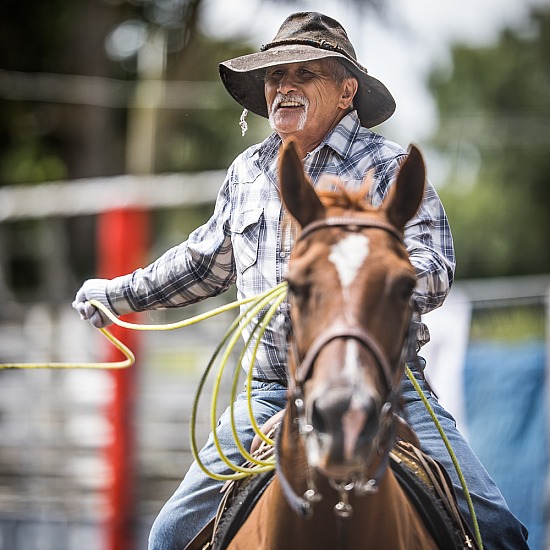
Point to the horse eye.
(292, 286)
(404, 287)
(296, 287)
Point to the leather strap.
(351, 224)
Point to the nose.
(346, 423)
(286, 84)
(327, 412)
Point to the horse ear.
(297, 193)
(407, 192)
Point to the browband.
(351, 224)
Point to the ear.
(348, 92)
(407, 192)
(297, 193)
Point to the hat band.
(321, 44)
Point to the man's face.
(305, 101)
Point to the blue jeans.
(499, 528)
(195, 501)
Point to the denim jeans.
(195, 501)
(499, 528)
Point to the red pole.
(122, 237)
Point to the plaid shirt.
(244, 241)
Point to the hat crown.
(315, 29)
(303, 37)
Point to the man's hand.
(92, 289)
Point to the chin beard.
(279, 98)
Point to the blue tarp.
(506, 418)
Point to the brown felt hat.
(306, 36)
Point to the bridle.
(303, 504)
(341, 330)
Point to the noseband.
(303, 505)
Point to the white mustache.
(280, 98)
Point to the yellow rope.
(186, 322)
(252, 312)
(276, 295)
(112, 365)
(229, 340)
(449, 448)
(130, 359)
(257, 429)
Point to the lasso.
(270, 300)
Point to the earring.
(242, 122)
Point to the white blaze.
(348, 255)
(352, 359)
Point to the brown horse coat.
(346, 380)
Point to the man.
(311, 87)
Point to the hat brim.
(243, 78)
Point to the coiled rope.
(232, 335)
(449, 448)
(272, 298)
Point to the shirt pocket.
(245, 232)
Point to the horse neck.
(381, 520)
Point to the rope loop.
(272, 298)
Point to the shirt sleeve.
(429, 242)
(201, 267)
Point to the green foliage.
(204, 139)
(508, 324)
(496, 102)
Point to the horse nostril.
(370, 426)
(327, 412)
(317, 419)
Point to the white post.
(149, 95)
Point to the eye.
(293, 287)
(297, 287)
(274, 74)
(305, 73)
(403, 287)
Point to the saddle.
(423, 479)
(239, 497)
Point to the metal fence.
(53, 425)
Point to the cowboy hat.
(306, 36)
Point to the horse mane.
(334, 194)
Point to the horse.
(350, 283)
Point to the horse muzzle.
(344, 423)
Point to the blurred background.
(114, 136)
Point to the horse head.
(350, 286)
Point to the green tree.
(494, 107)
(44, 136)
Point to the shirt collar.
(343, 135)
(340, 139)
